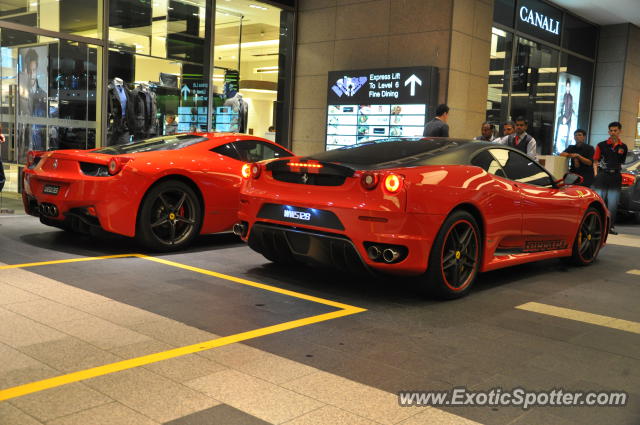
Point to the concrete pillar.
(469, 66)
(355, 34)
(617, 87)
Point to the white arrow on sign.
(185, 91)
(413, 80)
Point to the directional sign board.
(192, 113)
(375, 103)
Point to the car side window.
(521, 168)
(227, 150)
(488, 163)
(256, 150)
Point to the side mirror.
(572, 178)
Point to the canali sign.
(539, 20)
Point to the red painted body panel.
(117, 198)
(511, 214)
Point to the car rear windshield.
(389, 153)
(164, 143)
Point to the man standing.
(508, 128)
(581, 157)
(607, 162)
(521, 140)
(438, 126)
(486, 132)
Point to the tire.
(589, 238)
(455, 257)
(170, 217)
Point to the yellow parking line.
(344, 310)
(582, 316)
(165, 355)
(71, 260)
(634, 272)
(248, 282)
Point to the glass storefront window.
(157, 84)
(246, 68)
(573, 100)
(533, 90)
(498, 92)
(49, 96)
(80, 17)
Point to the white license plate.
(51, 189)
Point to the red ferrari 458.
(163, 191)
(442, 208)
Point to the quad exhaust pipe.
(48, 210)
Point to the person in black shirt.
(607, 163)
(581, 157)
(438, 126)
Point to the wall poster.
(567, 107)
(33, 85)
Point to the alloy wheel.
(459, 255)
(173, 216)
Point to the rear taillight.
(628, 179)
(246, 171)
(369, 180)
(115, 165)
(256, 169)
(393, 183)
(33, 158)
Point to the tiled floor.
(63, 318)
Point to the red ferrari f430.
(442, 209)
(163, 191)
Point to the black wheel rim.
(173, 216)
(590, 236)
(459, 258)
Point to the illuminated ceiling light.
(259, 90)
(266, 70)
(255, 6)
(249, 44)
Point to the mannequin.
(239, 106)
(120, 113)
(145, 109)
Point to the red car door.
(549, 213)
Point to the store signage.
(539, 19)
(369, 104)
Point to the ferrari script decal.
(536, 246)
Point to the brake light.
(628, 179)
(392, 183)
(256, 169)
(246, 171)
(304, 164)
(369, 180)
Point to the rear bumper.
(346, 249)
(116, 210)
